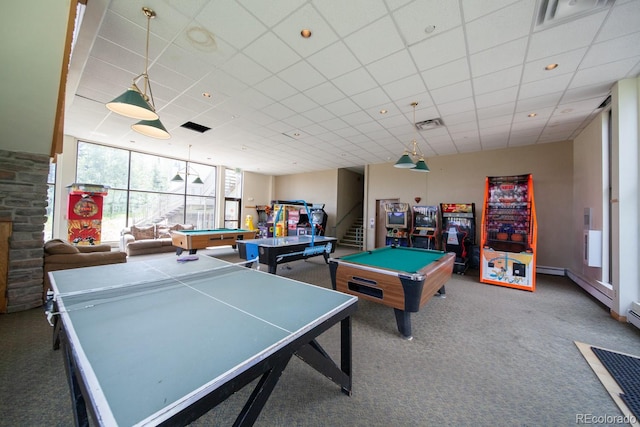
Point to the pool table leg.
(441, 292)
(403, 320)
(178, 251)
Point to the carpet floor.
(483, 356)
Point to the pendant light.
(135, 103)
(406, 161)
(187, 171)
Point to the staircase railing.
(345, 216)
(360, 236)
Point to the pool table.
(400, 277)
(192, 240)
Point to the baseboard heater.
(596, 293)
(633, 316)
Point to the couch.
(61, 255)
(149, 239)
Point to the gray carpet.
(484, 355)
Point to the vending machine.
(459, 232)
(84, 213)
(509, 233)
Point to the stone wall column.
(23, 201)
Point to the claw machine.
(84, 214)
(509, 233)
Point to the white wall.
(589, 186)
(257, 189)
(313, 187)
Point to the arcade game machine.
(318, 218)
(293, 218)
(397, 223)
(84, 213)
(425, 230)
(263, 217)
(277, 221)
(459, 232)
(509, 233)
(313, 219)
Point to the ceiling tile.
(270, 52)
(509, 23)
(375, 41)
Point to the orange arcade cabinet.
(509, 233)
(84, 214)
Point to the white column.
(625, 201)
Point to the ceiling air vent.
(559, 11)
(605, 103)
(430, 124)
(194, 127)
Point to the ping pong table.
(161, 343)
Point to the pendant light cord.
(147, 84)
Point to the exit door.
(231, 212)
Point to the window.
(232, 197)
(141, 190)
(51, 186)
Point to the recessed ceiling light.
(383, 111)
(551, 67)
(206, 94)
(429, 29)
(532, 115)
(305, 33)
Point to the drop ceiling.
(279, 103)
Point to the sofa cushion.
(141, 233)
(146, 243)
(178, 227)
(163, 232)
(57, 246)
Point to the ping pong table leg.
(315, 356)
(261, 393)
(345, 352)
(56, 332)
(79, 406)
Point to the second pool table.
(400, 277)
(192, 240)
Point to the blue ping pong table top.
(150, 352)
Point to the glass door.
(231, 212)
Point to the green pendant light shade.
(404, 162)
(421, 166)
(133, 104)
(152, 128)
(136, 104)
(188, 170)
